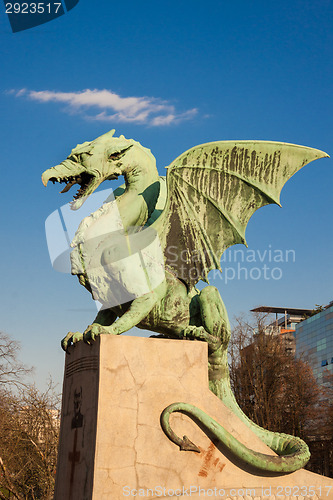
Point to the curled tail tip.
(187, 445)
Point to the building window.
(324, 362)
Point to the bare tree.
(29, 428)
(28, 443)
(12, 371)
(279, 392)
(273, 388)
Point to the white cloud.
(143, 110)
(172, 118)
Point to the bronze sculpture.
(211, 191)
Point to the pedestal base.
(112, 445)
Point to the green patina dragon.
(201, 209)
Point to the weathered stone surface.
(117, 449)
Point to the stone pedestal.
(112, 445)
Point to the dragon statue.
(199, 210)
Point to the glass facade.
(314, 343)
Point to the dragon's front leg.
(137, 311)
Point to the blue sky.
(170, 76)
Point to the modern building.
(284, 325)
(314, 343)
(308, 335)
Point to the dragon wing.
(213, 190)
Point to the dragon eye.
(114, 156)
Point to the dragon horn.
(108, 135)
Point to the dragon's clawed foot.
(199, 333)
(95, 330)
(89, 336)
(71, 339)
(92, 332)
(195, 332)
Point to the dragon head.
(91, 163)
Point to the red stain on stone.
(209, 463)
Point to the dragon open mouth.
(84, 180)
